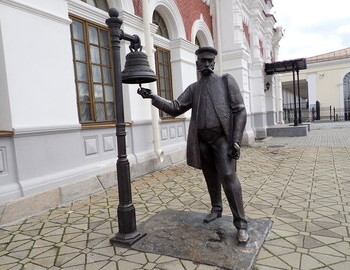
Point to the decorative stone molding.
(35, 11)
(22, 132)
(131, 20)
(205, 37)
(183, 44)
(84, 10)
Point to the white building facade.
(326, 81)
(57, 110)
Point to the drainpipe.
(149, 50)
(218, 36)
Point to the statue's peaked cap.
(206, 50)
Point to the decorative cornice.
(236, 54)
(161, 42)
(183, 44)
(35, 11)
(81, 9)
(131, 20)
(32, 131)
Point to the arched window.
(101, 4)
(163, 64)
(346, 84)
(162, 29)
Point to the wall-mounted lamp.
(267, 86)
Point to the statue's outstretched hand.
(144, 92)
(234, 151)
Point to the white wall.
(5, 111)
(38, 59)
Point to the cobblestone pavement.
(301, 184)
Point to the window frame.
(89, 65)
(169, 93)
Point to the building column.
(277, 87)
(235, 57)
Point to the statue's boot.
(242, 236)
(212, 216)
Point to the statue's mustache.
(206, 69)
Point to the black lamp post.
(128, 233)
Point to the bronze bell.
(137, 69)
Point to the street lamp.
(137, 71)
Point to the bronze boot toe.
(242, 236)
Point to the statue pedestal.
(184, 235)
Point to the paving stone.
(311, 242)
(20, 254)
(292, 259)
(137, 258)
(95, 265)
(308, 262)
(33, 266)
(20, 245)
(149, 266)
(342, 247)
(327, 250)
(303, 188)
(152, 257)
(75, 267)
(45, 262)
(327, 259)
(125, 265)
(93, 257)
(8, 260)
(278, 250)
(341, 266)
(273, 262)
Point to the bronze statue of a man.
(215, 133)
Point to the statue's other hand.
(144, 92)
(234, 151)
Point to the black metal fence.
(319, 113)
(332, 114)
(288, 112)
(288, 115)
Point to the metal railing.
(322, 114)
(288, 112)
(332, 114)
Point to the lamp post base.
(126, 239)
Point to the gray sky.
(312, 27)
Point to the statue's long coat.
(228, 104)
